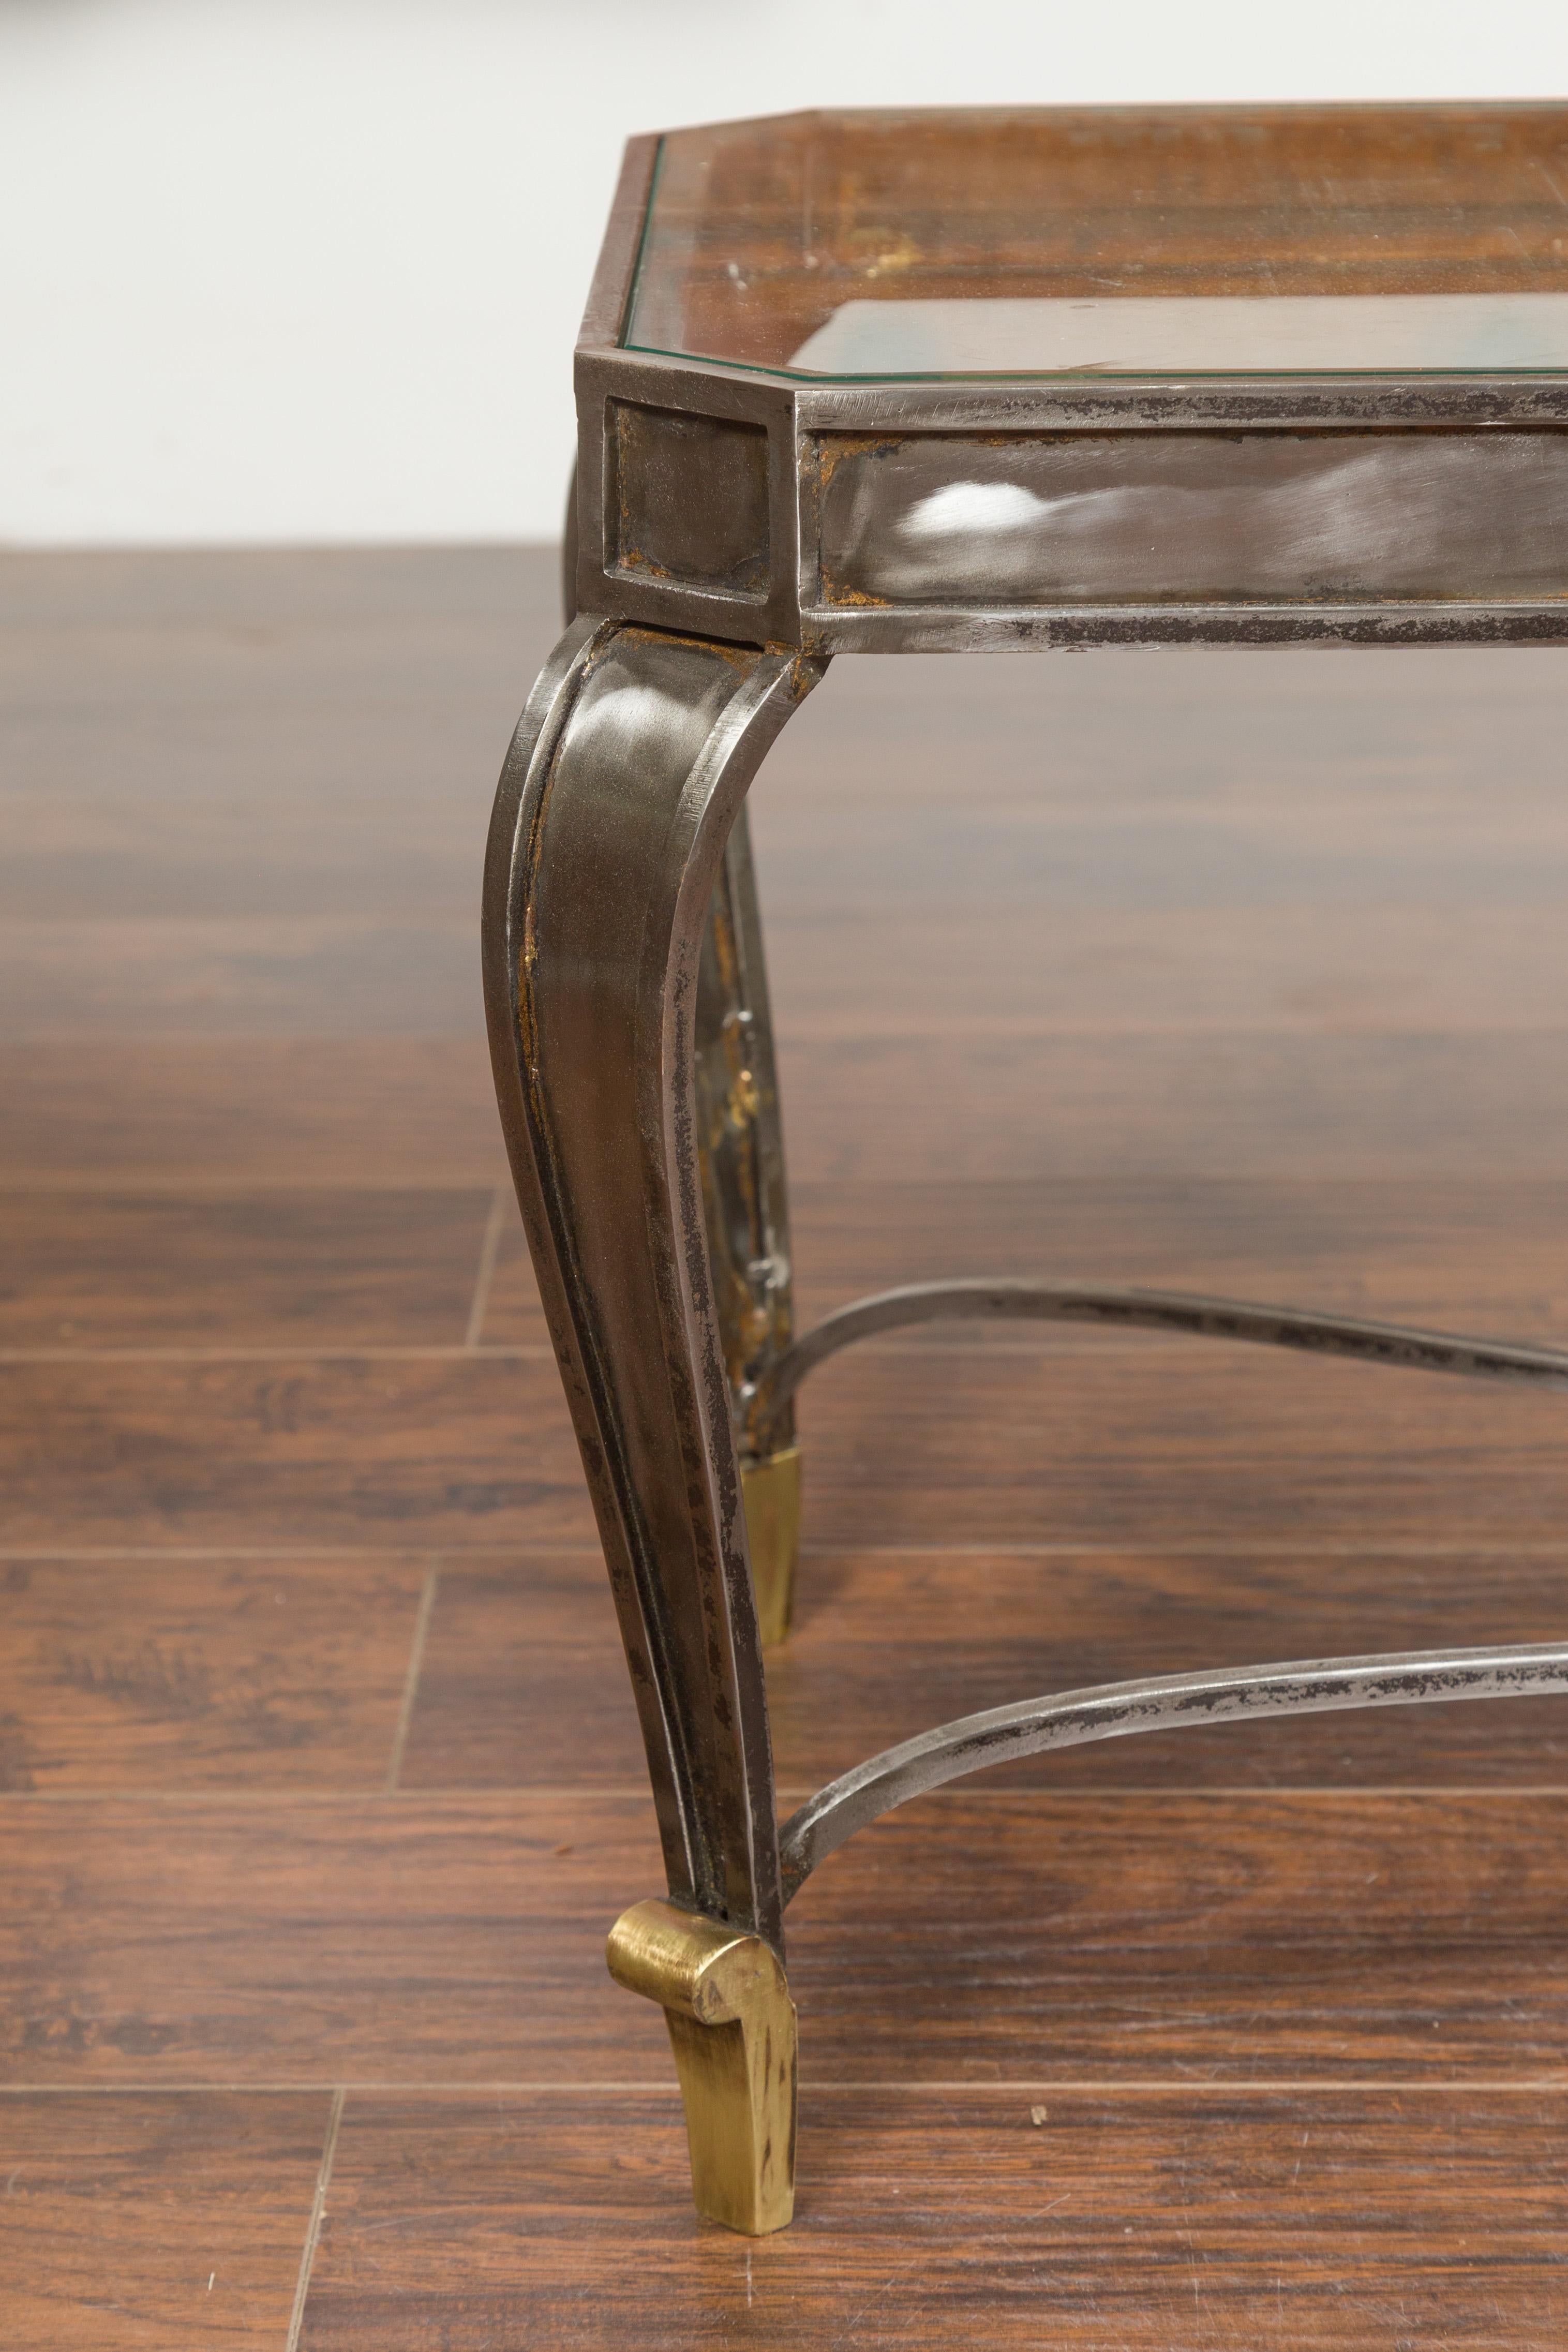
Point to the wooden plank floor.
(319, 1778)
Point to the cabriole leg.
(741, 1147)
(614, 809)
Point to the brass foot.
(770, 1489)
(732, 2028)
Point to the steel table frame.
(630, 1033)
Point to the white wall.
(312, 269)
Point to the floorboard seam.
(631, 1792)
(1221, 1548)
(411, 1680)
(486, 1270)
(1078, 2085)
(371, 1352)
(313, 2227)
(940, 1350)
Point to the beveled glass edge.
(607, 310)
(822, 403)
(638, 259)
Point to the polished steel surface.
(1148, 1310)
(740, 1150)
(1234, 554)
(1155, 1703)
(1107, 518)
(611, 821)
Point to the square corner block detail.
(689, 501)
(948, 519)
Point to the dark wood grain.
(202, 1673)
(1329, 778)
(1274, 1937)
(264, 1941)
(174, 1117)
(1244, 976)
(1169, 1446)
(336, 1265)
(923, 969)
(909, 967)
(1013, 1935)
(887, 1644)
(407, 1112)
(323, 974)
(1232, 1106)
(155, 2224)
(1170, 1442)
(200, 735)
(1176, 2222)
(519, 1646)
(923, 962)
(1485, 1255)
(389, 1450)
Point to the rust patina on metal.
(1155, 1703)
(769, 1402)
(739, 520)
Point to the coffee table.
(881, 383)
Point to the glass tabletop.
(1346, 240)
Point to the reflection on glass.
(1181, 335)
